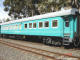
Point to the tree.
(0, 21)
(7, 19)
(75, 3)
(16, 8)
(25, 8)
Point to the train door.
(67, 31)
(67, 28)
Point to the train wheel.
(56, 43)
(59, 44)
(53, 42)
(76, 42)
(49, 41)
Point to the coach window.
(25, 25)
(16, 27)
(46, 23)
(54, 23)
(30, 25)
(34, 25)
(67, 22)
(40, 24)
(19, 26)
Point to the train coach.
(56, 28)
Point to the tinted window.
(54, 23)
(46, 23)
(20, 26)
(34, 25)
(40, 24)
(67, 23)
(16, 27)
(30, 25)
(25, 25)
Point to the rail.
(46, 54)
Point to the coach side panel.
(40, 31)
(44, 31)
(14, 28)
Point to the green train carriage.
(56, 28)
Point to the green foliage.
(75, 3)
(7, 19)
(25, 8)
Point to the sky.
(3, 14)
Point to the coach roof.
(47, 15)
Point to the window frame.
(6, 27)
(42, 24)
(16, 27)
(52, 23)
(29, 25)
(33, 25)
(20, 27)
(48, 25)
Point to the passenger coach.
(56, 28)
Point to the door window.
(67, 23)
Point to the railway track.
(47, 54)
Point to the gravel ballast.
(9, 53)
